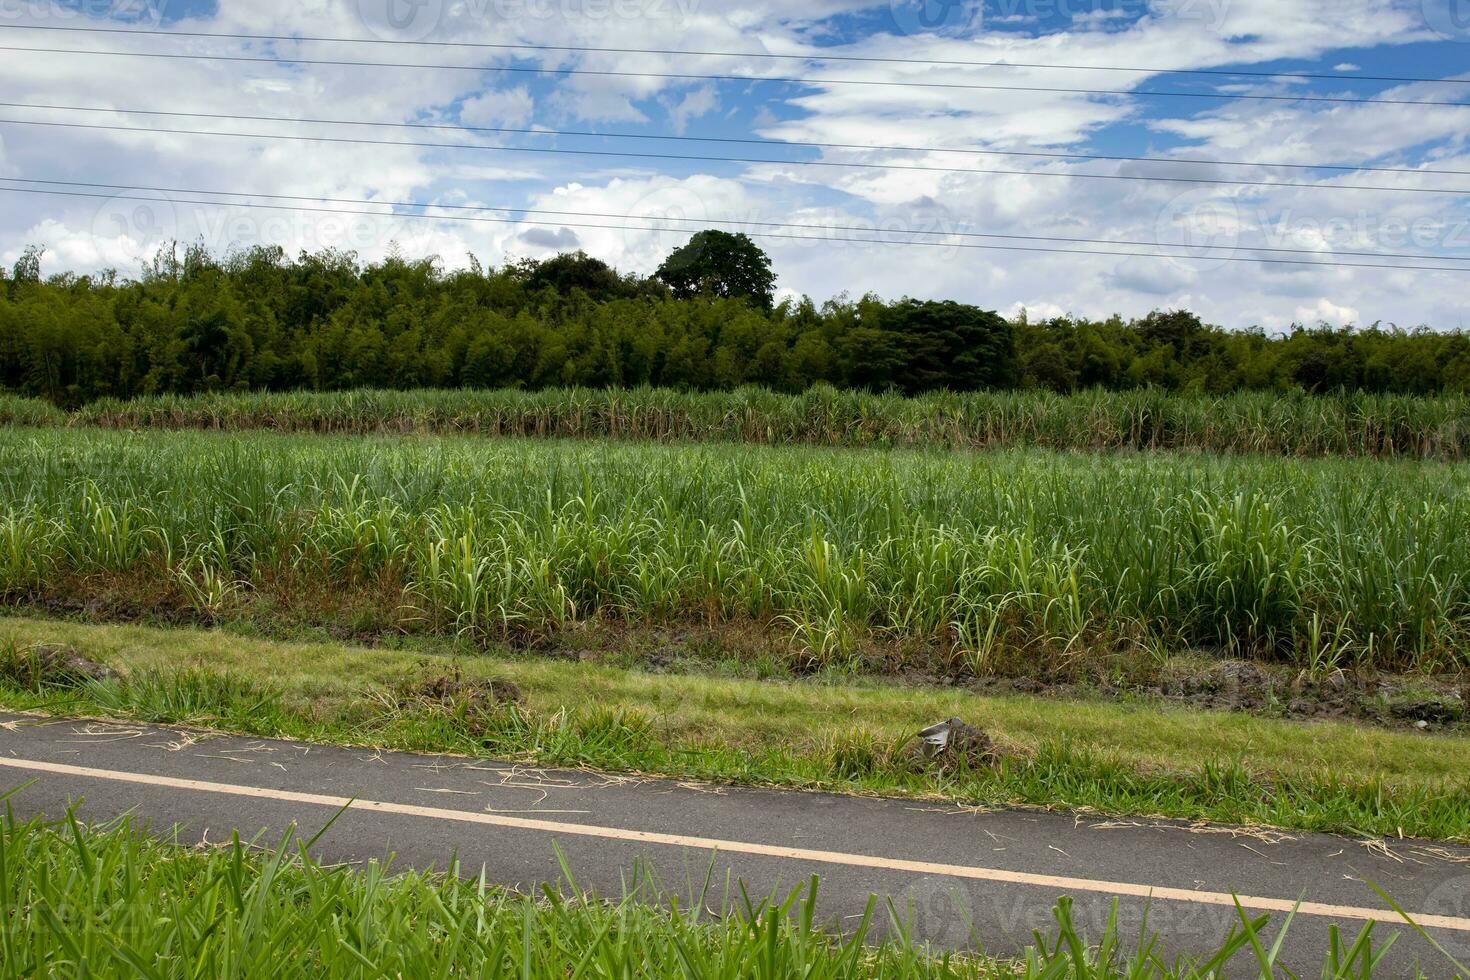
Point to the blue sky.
(907, 193)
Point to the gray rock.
(58, 665)
(954, 743)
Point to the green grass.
(835, 734)
(111, 902)
(17, 410)
(1249, 422)
(1032, 558)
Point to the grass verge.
(111, 902)
(846, 734)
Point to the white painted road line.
(1058, 883)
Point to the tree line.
(257, 319)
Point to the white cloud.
(669, 211)
(499, 107)
(85, 234)
(1325, 310)
(691, 105)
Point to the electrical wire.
(734, 222)
(802, 144)
(762, 234)
(841, 164)
(691, 76)
(678, 52)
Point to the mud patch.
(1416, 702)
(51, 665)
(474, 693)
(1232, 685)
(477, 705)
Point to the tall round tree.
(717, 263)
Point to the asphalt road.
(965, 876)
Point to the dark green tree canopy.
(28, 266)
(717, 263)
(951, 345)
(574, 270)
(256, 319)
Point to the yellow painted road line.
(1058, 883)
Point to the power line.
(803, 144)
(691, 76)
(678, 52)
(842, 164)
(759, 234)
(734, 222)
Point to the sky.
(934, 147)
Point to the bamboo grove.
(255, 320)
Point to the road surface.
(966, 876)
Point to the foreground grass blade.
(111, 902)
(1464, 971)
